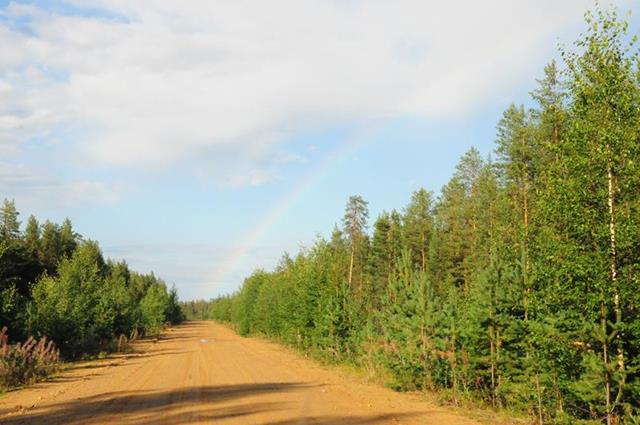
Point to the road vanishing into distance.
(202, 372)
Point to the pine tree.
(355, 224)
(32, 236)
(380, 258)
(516, 152)
(9, 224)
(550, 116)
(549, 125)
(457, 214)
(51, 245)
(418, 226)
(408, 316)
(68, 238)
(396, 237)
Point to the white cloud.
(32, 187)
(155, 82)
(189, 265)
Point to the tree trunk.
(424, 254)
(559, 403)
(539, 396)
(492, 349)
(353, 254)
(614, 277)
(498, 376)
(605, 359)
(454, 366)
(425, 364)
(525, 238)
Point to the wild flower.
(26, 362)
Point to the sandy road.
(201, 372)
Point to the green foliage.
(518, 286)
(69, 307)
(418, 226)
(9, 224)
(153, 308)
(173, 311)
(55, 284)
(411, 348)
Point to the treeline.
(519, 285)
(196, 309)
(56, 284)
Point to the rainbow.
(253, 237)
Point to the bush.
(72, 307)
(25, 363)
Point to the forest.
(518, 285)
(196, 309)
(56, 284)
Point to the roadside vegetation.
(60, 298)
(519, 285)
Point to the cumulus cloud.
(31, 187)
(155, 82)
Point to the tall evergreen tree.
(68, 238)
(418, 226)
(51, 245)
(458, 218)
(355, 224)
(32, 236)
(550, 115)
(380, 260)
(9, 223)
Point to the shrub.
(27, 362)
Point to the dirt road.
(202, 372)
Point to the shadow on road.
(183, 332)
(346, 420)
(181, 407)
(147, 407)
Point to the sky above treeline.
(202, 139)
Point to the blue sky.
(201, 139)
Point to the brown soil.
(202, 372)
